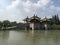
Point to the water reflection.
(45, 38)
(4, 34)
(38, 37)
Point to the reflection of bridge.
(9, 27)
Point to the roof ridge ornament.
(34, 14)
(27, 16)
(45, 17)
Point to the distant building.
(36, 23)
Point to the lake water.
(38, 37)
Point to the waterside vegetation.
(54, 22)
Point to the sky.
(17, 10)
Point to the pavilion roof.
(45, 19)
(34, 17)
(26, 19)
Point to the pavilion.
(36, 23)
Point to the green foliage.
(55, 19)
(6, 23)
(1, 24)
(54, 26)
(54, 22)
(13, 23)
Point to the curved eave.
(45, 20)
(26, 19)
(33, 19)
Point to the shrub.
(54, 26)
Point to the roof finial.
(27, 17)
(34, 14)
(45, 17)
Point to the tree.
(1, 24)
(51, 22)
(55, 19)
(13, 23)
(6, 23)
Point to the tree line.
(6, 23)
(55, 22)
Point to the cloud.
(42, 3)
(13, 4)
(17, 10)
(56, 8)
(27, 5)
